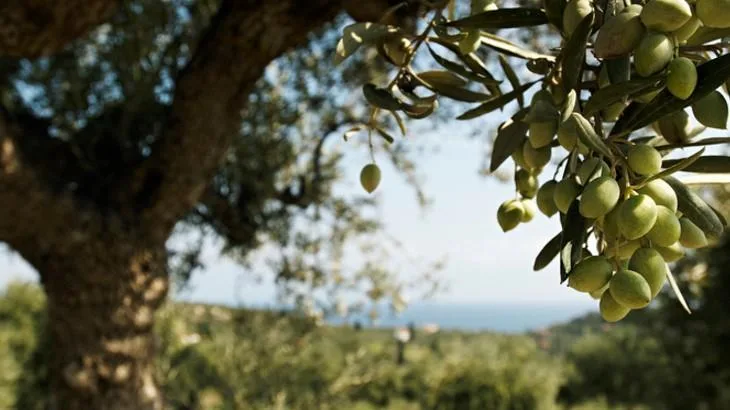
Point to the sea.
(503, 318)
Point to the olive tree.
(122, 119)
(123, 122)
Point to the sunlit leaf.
(588, 135)
(571, 100)
(677, 291)
(358, 34)
(696, 209)
(512, 49)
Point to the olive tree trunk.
(103, 265)
(101, 307)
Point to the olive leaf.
(696, 209)
(619, 69)
(554, 10)
(677, 291)
(473, 62)
(569, 105)
(698, 143)
(495, 103)
(574, 53)
(419, 112)
(510, 137)
(680, 165)
(512, 78)
(542, 111)
(706, 34)
(548, 252)
(386, 136)
(611, 94)
(503, 18)
(355, 35)
(399, 121)
(507, 47)
(443, 77)
(720, 216)
(421, 108)
(710, 75)
(459, 69)
(443, 32)
(417, 99)
(446, 88)
(380, 97)
(588, 135)
(572, 240)
(709, 164)
(352, 131)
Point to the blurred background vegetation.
(220, 358)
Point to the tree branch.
(34, 28)
(33, 218)
(244, 37)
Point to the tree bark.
(104, 270)
(101, 305)
(104, 279)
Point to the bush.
(216, 358)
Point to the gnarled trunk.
(101, 306)
(103, 278)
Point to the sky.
(484, 265)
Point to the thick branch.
(243, 39)
(33, 219)
(34, 28)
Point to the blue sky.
(484, 265)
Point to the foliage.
(22, 345)
(271, 360)
(105, 101)
(626, 366)
(620, 68)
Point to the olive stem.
(560, 164)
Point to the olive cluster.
(633, 214)
(651, 33)
(634, 218)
